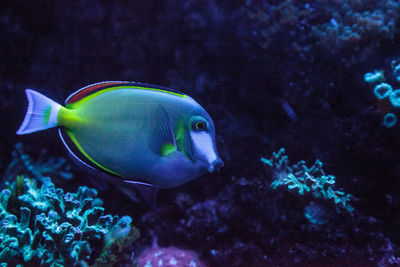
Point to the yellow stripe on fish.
(134, 131)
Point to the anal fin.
(147, 191)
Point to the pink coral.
(169, 257)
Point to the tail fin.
(42, 113)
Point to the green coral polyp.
(45, 227)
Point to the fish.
(134, 132)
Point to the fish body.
(132, 131)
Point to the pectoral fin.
(162, 140)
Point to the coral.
(303, 180)
(40, 168)
(246, 225)
(276, 18)
(213, 51)
(375, 77)
(389, 120)
(394, 98)
(170, 256)
(317, 214)
(47, 227)
(384, 91)
(332, 24)
(352, 23)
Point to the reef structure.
(43, 226)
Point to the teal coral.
(43, 166)
(375, 77)
(384, 90)
(395, 98)
(389, 120)
(304, 180)
(317, 214)
(47, 227)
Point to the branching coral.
(43, 166)
(303, 180)
(47, 227)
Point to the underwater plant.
(305, 180)
(43, 226)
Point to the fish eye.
(200, 126)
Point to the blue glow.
(395, 98)
(389, 120)
(383, 90)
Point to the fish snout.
(216, 165)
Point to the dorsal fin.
(90, 89)
(93, 88)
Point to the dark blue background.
(241, 60)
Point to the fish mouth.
(216, 165)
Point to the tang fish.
(133, 131)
